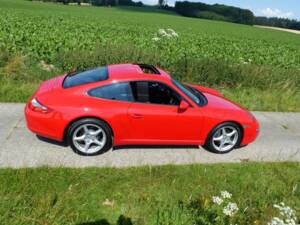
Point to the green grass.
(145, 195)
(258, 68)
(255, 87)
(43, 29)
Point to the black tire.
(90, 121)
(209, 141)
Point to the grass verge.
(256, 87)
(146, 195)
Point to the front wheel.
(224, 138)
(89, 137)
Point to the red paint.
(136, 123)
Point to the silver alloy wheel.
(89, 138)
(225, 138)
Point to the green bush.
(204, 71)
(212, 16)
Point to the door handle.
(136, 116)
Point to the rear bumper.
(48, 125)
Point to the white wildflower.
(217, 200)
(287, 213)
(172, 32)
(230, 209)
(155, 39)
(166, 33)
(290, 222)
(225, 194)
(162, 32)
(276, 221)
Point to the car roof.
(128, 71)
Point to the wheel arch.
(84, 117)
(226, 121)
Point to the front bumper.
(250, 133)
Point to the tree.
(161, 3)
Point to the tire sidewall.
(97, 122)
(209, 141)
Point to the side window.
(117, 91)
(154, 93)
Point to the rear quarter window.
(117, 91)
(85, 77)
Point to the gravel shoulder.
(279, 141)
(280, 29)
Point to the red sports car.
(135, 104)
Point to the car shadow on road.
(122, 220)
(120, 147)
(51, 141)
(98, 222)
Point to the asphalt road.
(279, 140)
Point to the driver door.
(155, 117)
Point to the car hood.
(216, 99)
(220, 107)
(221, 102)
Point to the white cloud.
(268, 12)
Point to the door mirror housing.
(183, 105)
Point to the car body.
(131, 118)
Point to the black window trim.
(200, 93)
(145, 80)
(129, 81)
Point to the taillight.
(38, 107)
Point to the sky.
(270, 8)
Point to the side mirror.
(183, 105)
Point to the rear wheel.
(224, 138)
(89, 137)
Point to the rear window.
(85, 77)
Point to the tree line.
(214, 12)
(278, 22)
(230, 14)
(202, 10)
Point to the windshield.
(191, 92)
